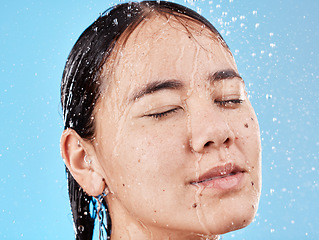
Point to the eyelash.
(225, 103)
(162, 114)
(229, 102)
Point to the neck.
(133, 232)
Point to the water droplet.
(268, 96)
(81, 228)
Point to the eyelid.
(230, 103)
(162, 113)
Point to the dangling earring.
(101, 214)
(105, 192)
(87, 161)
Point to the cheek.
(247, 145)
(246, 130)
(148, 156)
(146, 164)
(247, 141)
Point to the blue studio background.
(275, 44)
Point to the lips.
(222, 177)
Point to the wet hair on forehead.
(178, 22)
(84, 73)
(175, 20)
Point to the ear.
(73, 150)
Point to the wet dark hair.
(81, 85)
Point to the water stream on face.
(197, 198)
(227, 155)
(147, 230)
(198, 204)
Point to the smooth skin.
(152, 143)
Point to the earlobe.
(78, 157)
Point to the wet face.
(176, 135)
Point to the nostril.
(227, 141)
(208, 143)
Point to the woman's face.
(176, 135)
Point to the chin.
(239, 218)
(236, 215)
(238, 222)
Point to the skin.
(149, 148)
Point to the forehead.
(163, 32)
(164, 47)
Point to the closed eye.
(229, 103)
(162, 114)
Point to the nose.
(210, 130)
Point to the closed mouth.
(221, 176)
(219, 172)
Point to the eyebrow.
(176, 84)
(155, 87)
(224, 74)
